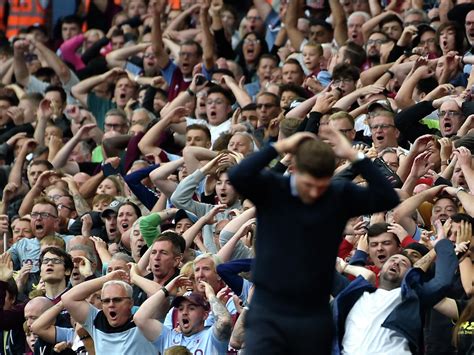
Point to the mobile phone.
(133, 68)
(200, 79)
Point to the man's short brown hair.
(316, 158)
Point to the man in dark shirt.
(312, 209)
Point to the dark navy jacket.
(406, 318)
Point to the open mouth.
(49, 269)
(76, 275)
(381, 258)
(125, 226)
(448, 126)
(379, 138)
(185, 322)
(113, 314)
(122, 96)
(39, 227)
(445, 43)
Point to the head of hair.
(177, 241)
(102, 198)
(316, 158)
(200, 127)
(220, 90)
(459, 34)
(68, 264)
(122, 256)
(298, 90)
(137, 210)
(45, 201)
(72, 19)
(46, 73)
(177, 350)
(121, 283)
(222, 142)
(345, 71)
(190, 42)
(209, 256)
(118, 184)
(276, 99)
(46, 163)
(380, 228)
(9, 96)
(342, 115)
(117, 112)
(267, 56)
(354, 53)
(59, 89)
(427, 85)
(34, 97)
(315, 45)
(223, 71)
(289, 126)
(391, 18)
(249, 107)
(294, 61)
(53, 240)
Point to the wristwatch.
(459, 189)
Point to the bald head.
(35, 308)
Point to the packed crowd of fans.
(131, 206)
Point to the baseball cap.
(385, 104)
(194, 298)
(112, 208)
(420, 248)
(181, 214)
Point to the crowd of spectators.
(151, 150)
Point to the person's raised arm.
(149, 286)
(193, 156)
(145, 318)
(339, 22)
(17, 169)
(75, 299)
(44, 325)
(208, 218)
(28, 201)
(59, 67)
(82, 89)
(405, 93)
(465, 161)
(403, 213)
(119, 57)
(295, 36)
(20, 69)
(157, 36)
(345, 268)
(208, 38)
(228, 251)
(62, 156)
(222, 328)
(147, 143)
(242, 97)
(160, 175)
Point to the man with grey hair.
(354, 26)
(112, 328)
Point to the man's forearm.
(223, 323)
(20, 69)
(59, 67)
(84, 289)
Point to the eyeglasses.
(186, 54)
(375, 41)
(251, 41)
(113, 125)
(345, 81)
(347, 130)
(55, 261)
(260, 106)
(55, 197)
(428, 41)
(216, 101)
(61, 206)
(114, 300)
(381, 126)
(149, 55)
(449, 113)
(43, 215)
(253, 18)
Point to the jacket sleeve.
(408, 120)
(182, 197)
(377, 196)
(134, 182)
(230, 273)
(435, 289)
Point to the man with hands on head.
(307, 198)
(193, 309)
(112, 329)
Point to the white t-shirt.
(216, 131)
(364, 333)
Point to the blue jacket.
(406, 318)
